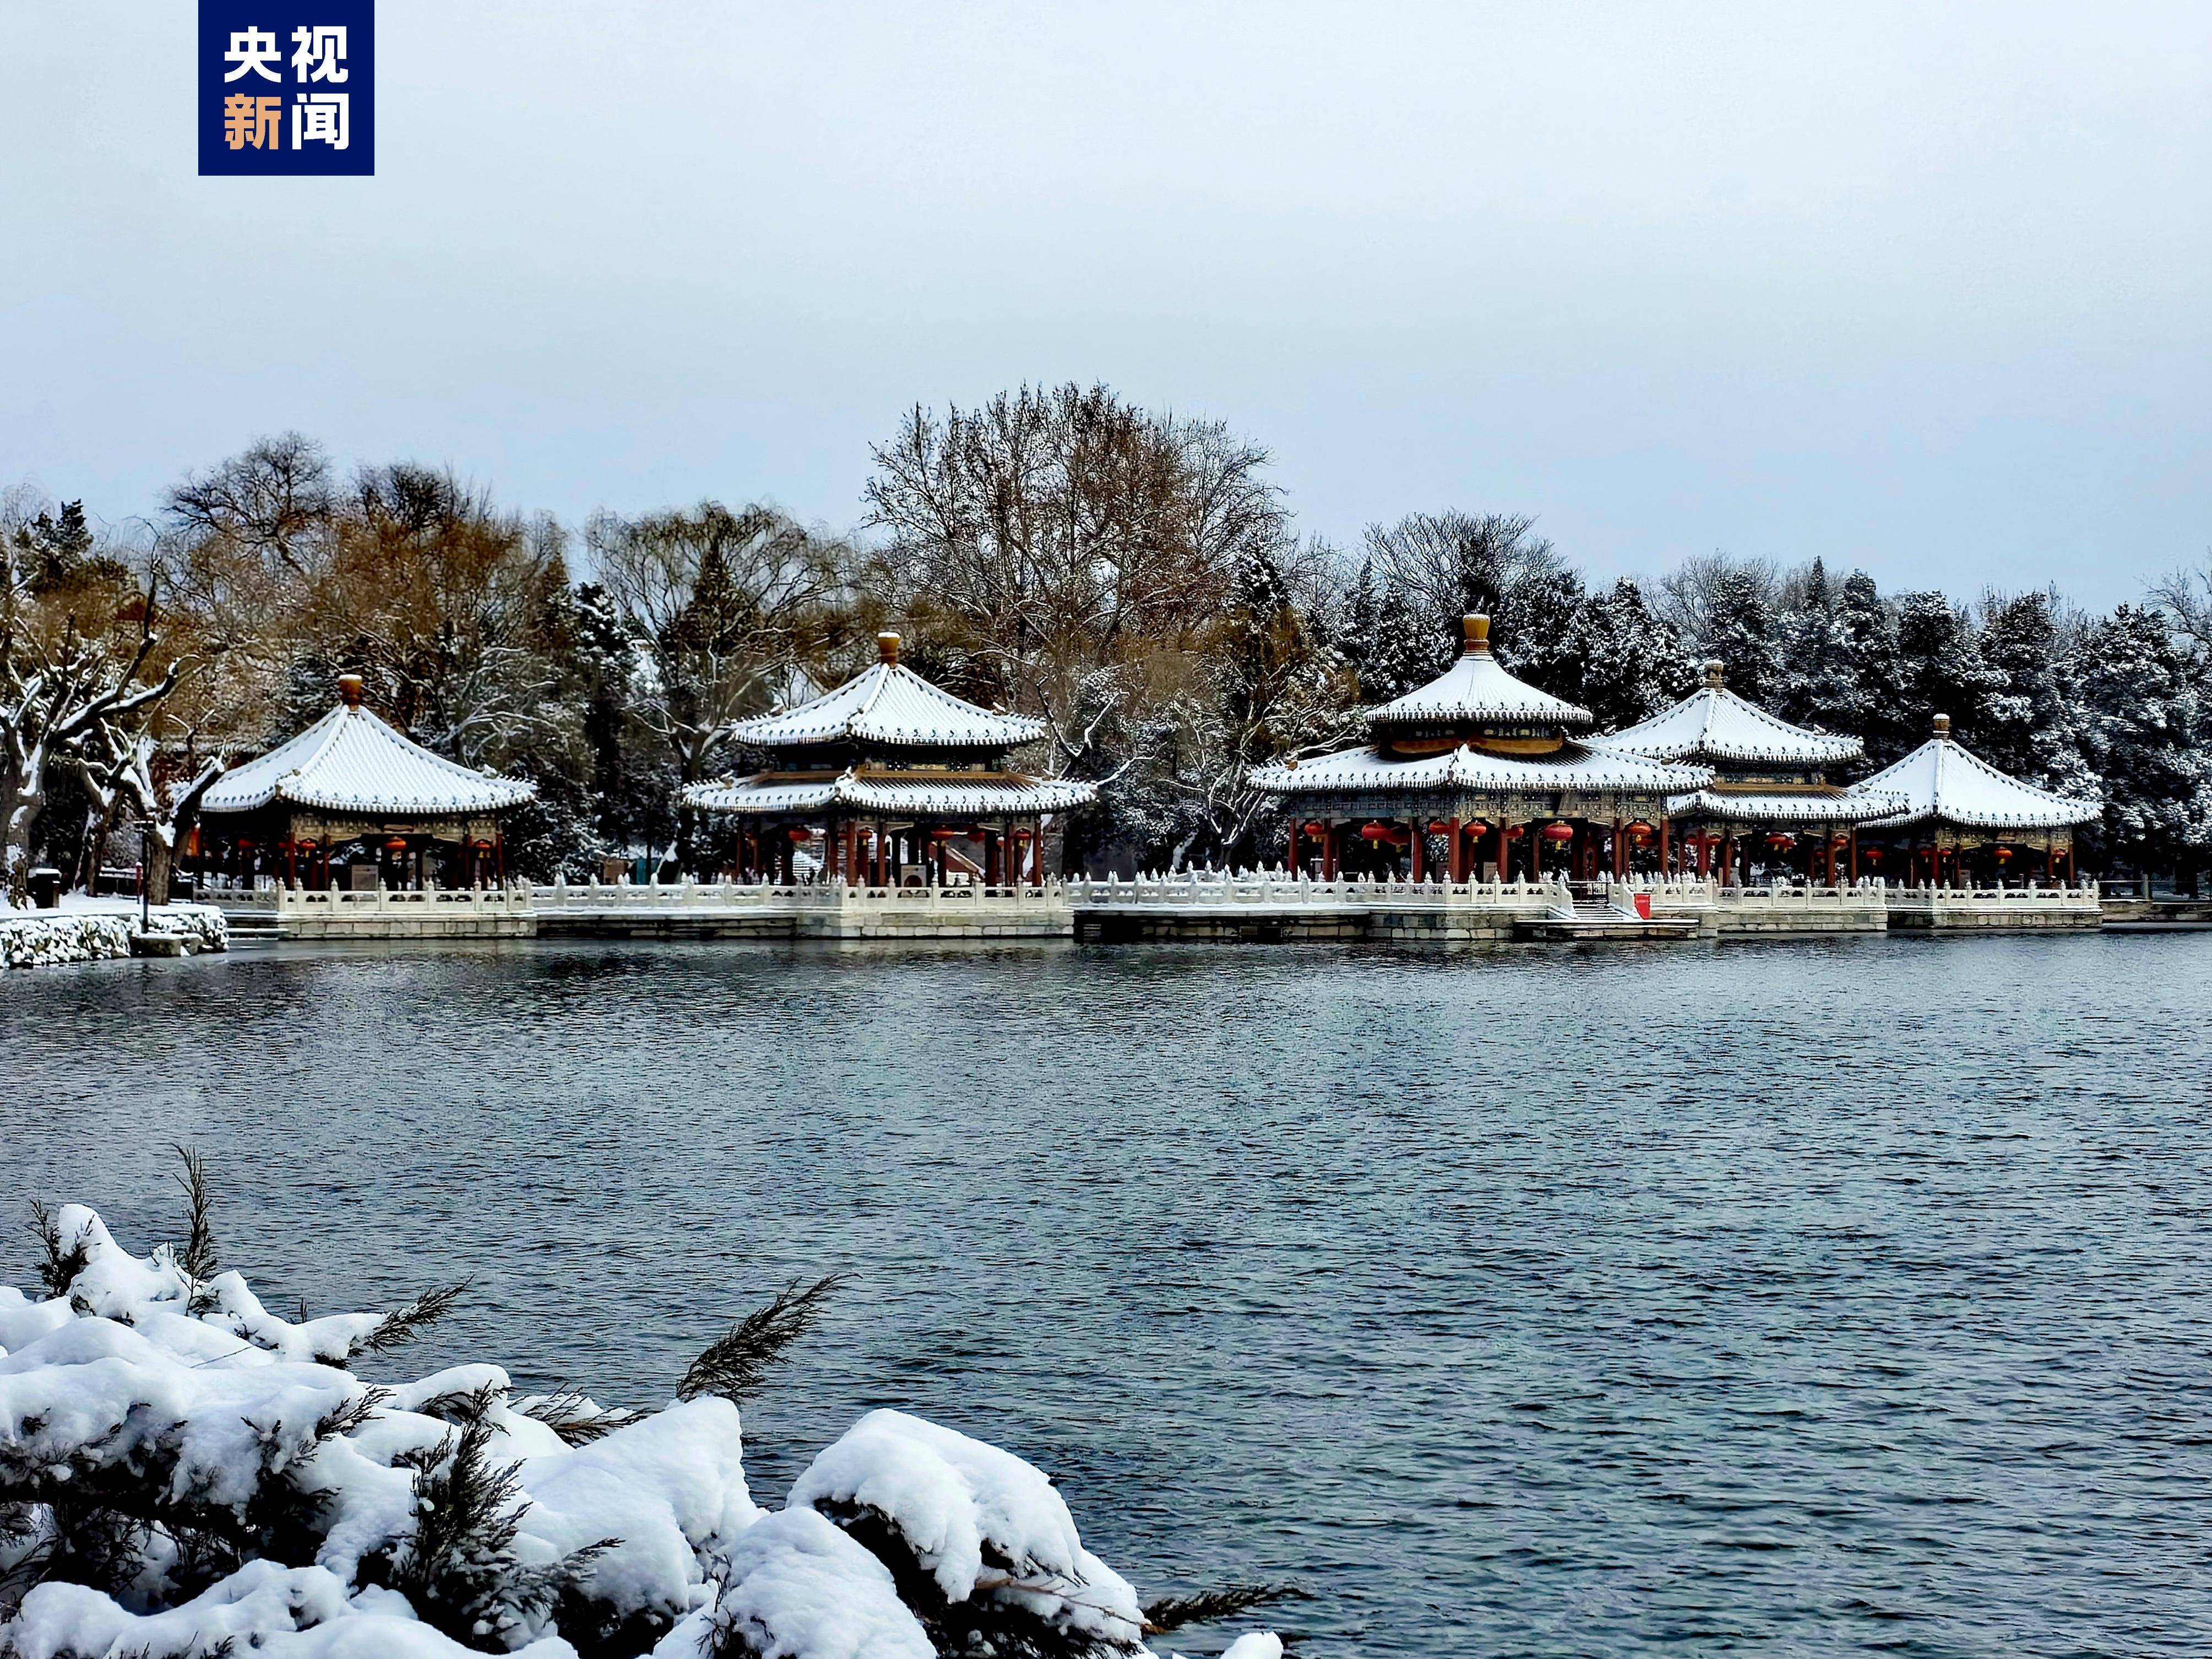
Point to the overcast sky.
(1922, 289)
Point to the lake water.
(1816, 1298)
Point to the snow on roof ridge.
(1954, 774)
(1475, 687)
(1466, 766)
(864, 707)
(1696, 723)
(389, 772)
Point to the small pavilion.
(351, 794)
(1490, 764)
(904, 783)
(1958, 810)
(1770, 787)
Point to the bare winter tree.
(725, 607)
(74, 673)
(1063, 552)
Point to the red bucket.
(1644, 906)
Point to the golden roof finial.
(1476, 627)
(887, 647)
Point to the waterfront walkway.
(1259, 907)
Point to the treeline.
(1136, 580)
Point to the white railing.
(2082, 894)
(608, 898)
(337, 903)
(689, 897)
(1265, 887)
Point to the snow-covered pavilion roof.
(893, 705)
(861, 789)
(1713, 723)
(1746, 807)
(1579, 767)
(349, 761)
(1943, 780)
(1475, 690)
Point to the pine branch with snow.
(734, 1364)
(183, 1472)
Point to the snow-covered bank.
(181, 1468)
(99, 929)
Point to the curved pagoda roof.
(1714, 724)
(351, 762)
(1578, 767)
(896, 794)
(887, 706)
(1943, 781)
(1731, 806)
(1474, 691)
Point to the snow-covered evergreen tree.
(1940, 667)
(1815, 678)
(2149, 738)
(1633, 665)
(2030, 726)
(1742, 631)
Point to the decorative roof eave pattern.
(1942, 782)
(1584, 766)
(891, 704)
(1011, 794)
(1713, 723)
(351, 762)
(1853, 807)
(1476, 690)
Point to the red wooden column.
(1501, 847)
(1664, 855)
(1458, 865)
(1290, 845)
(1853, 832)
(1620, 848)
(1418, 845)
(1329, 851)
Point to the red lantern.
(2002, 853)
(802, 833)
(1781, 842)
(1516, 832)
(1438, 827)
(1640, 830)
(1313, 828)
(975, 835)
(395, 845)
(1873, 854)
(1559, 832)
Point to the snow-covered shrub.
(182, 1469)
(977, 1540)
(52, 938)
